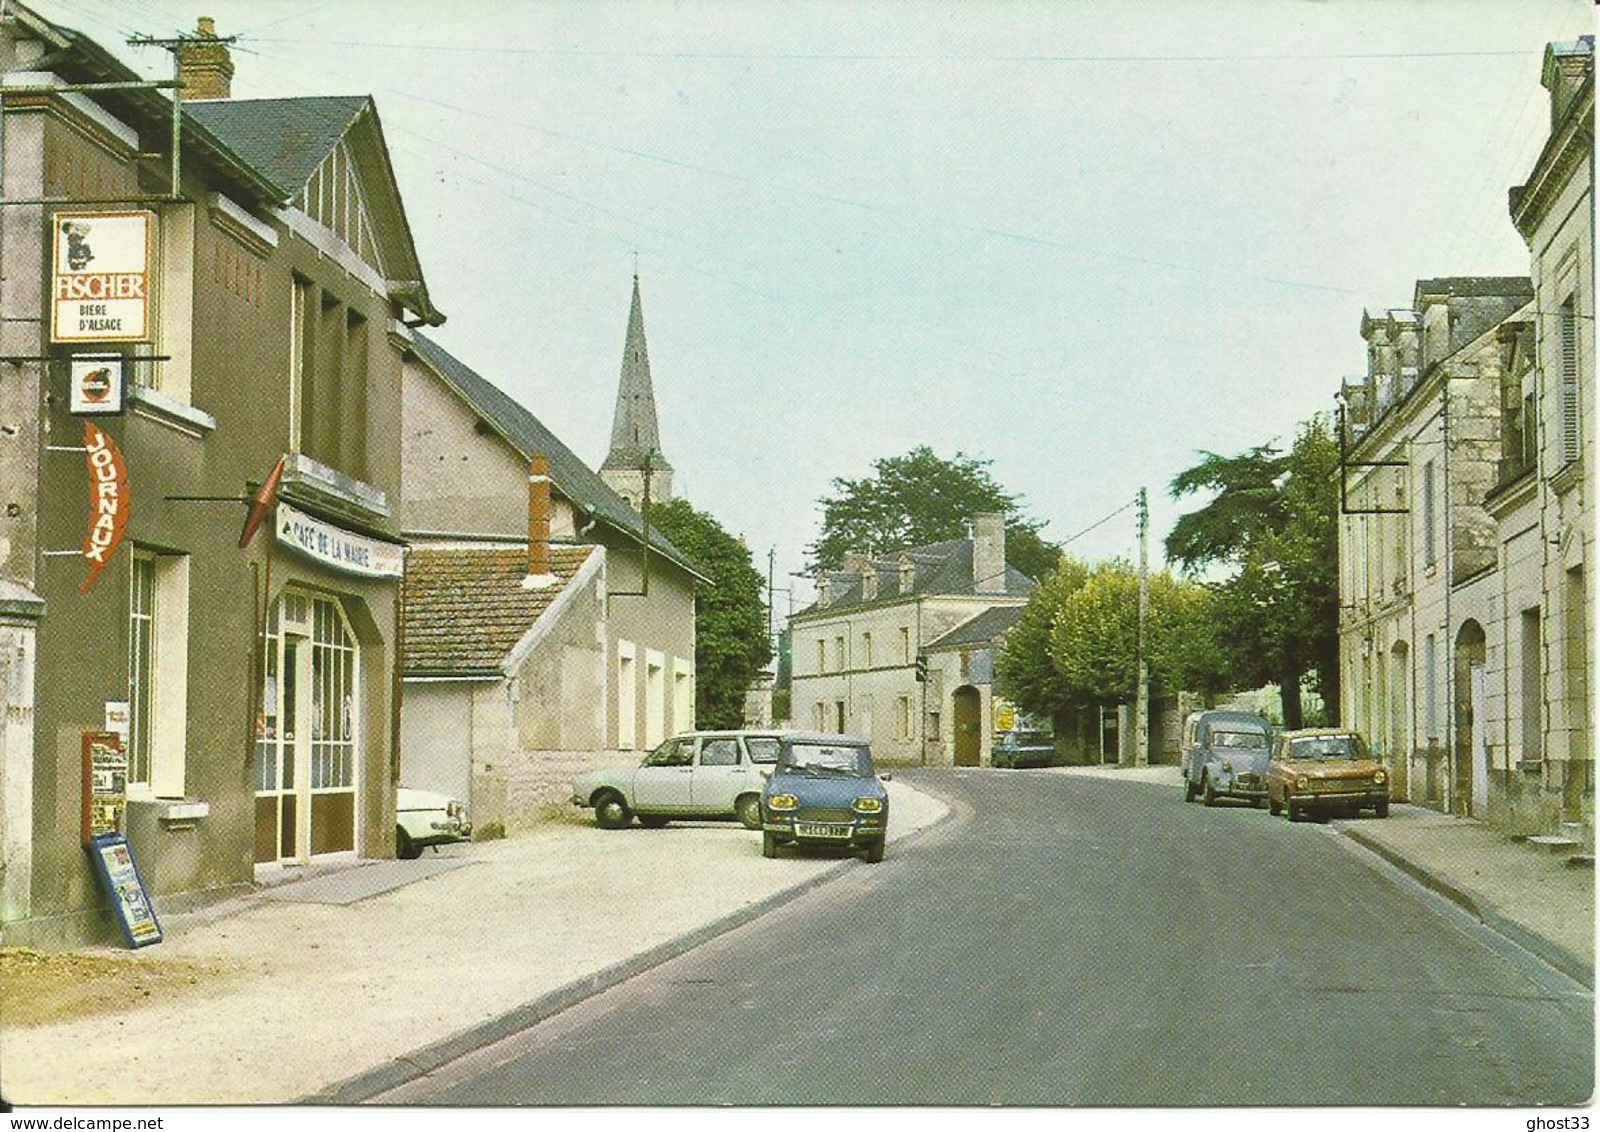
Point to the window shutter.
(1571, 436)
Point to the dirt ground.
(37, 988)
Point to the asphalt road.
(1073, 941)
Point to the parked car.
(1324, 769)
(1224, 755)
(1024, 749)
(700, 774)
(426, 817)
(824, 791)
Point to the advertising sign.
(97, 386)
(105, 783)
(109, 499)
(113, 861)
(100, 277)
(336, 547)
(1005, 715)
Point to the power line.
(1132, 503)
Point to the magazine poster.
(113, 859)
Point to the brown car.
(1324, 769)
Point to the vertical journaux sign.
(100, 276)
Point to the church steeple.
(635, 438)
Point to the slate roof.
(980, 630)
(939, 568)
(465, 608)
(528, 435)
(285, 139)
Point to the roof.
(939, 569)
(465, 608)
(284, 139)
(528, 435)
(1476, 286)
(635, 435)
(979, 630)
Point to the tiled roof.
(980, 630)
(572, 477)
(284, 139)
(465, 608)
(939, 568)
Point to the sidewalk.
(1536, 899)
(290, 992)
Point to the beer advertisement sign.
(97, 386)
(101, 276)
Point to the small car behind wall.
(824, 791)
(426, 817)
(1224, 755)
(1324, 770)
(1024, 749)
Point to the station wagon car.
(701, 774)
(426, 817)
(824, 791)
(1322, 770)
(1023, 749)
(1224, 755)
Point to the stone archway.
(1470, 785)
(966, 716)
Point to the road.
(1073, 941)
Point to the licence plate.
(822, 829)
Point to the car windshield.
(1029, 739)
(1236, 739)
(763, 749)
(1325, 747)
(822, 759)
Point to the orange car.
(1324, 769)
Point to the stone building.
(858, 650)
(256, 310)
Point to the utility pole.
(1141, 700)
(772, 600)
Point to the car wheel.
(874, 852)
(1381, 809)
(748, 810)
(610, 811)
(1190, 791)
(1292, 809)
(1209, 790)
(1274, 807)
(1257, 803)
(769, 845)
(405, 848)
(652, 821)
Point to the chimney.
(908, 574)
(539, 576)
(205, 64)
(824, 591)
(989, 553)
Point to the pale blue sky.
(1082, 239)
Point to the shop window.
(158, 673)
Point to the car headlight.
(1227, 766)
(1379, 778)
(867, 805)
(783, 802)
(1301, 783)
(455, 810)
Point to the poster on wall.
(130, 901)
(100, 276)
(105, 783)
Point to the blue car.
(824, 791)
(1224, 755)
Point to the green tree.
(1273, 521)
(921, 498)
(730, 622)
(1024, 672)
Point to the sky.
(1084, 241)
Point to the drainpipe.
(1449, 585)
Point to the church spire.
(635, 437)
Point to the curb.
(381, 1079)
(1554, 954)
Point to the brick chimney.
(205, 64)
(539, 576)
(989, 553)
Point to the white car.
(426, 817)
(702, 774)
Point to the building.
(963, 660)
(1420, 443)
(635, 467)
(253, 309)
(510, 690)
(857, 652)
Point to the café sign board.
(337, 548)
(100, 279)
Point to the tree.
(1273, 519)
(1024, 672)
(922, 498)
(730, 619)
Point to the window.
(1571, 408)
(682, 694)
(158, 673)
(655, 698)
(905, 644)
(838, 716)
(1532, 692)
(720, 752)
(1429, 549)
(822, 656)
(627, 690)
(1430, 697)
(903, 717)
(819, 716)
(866, 650)
(838, 654)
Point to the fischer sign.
(109, 498)
(100, 283)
